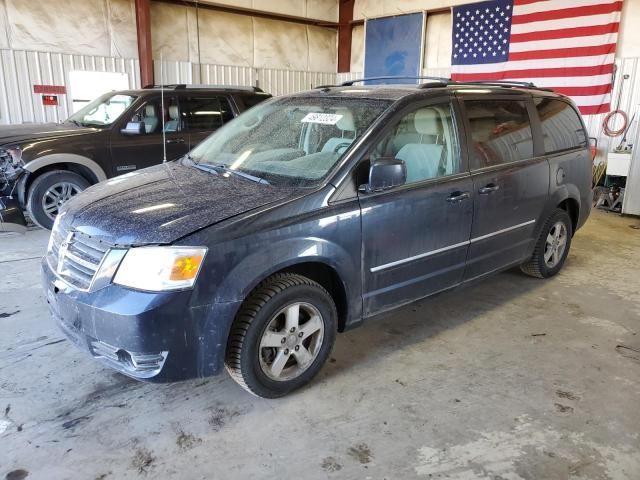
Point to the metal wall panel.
(272, 80)
(21, 69)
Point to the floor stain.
(329, 464)
(567, 395)
(220, 416)
(19, 474)
(142, 460)
(563, 408)
(361, 452)
(70, 424)
(187, 441)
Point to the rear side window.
(205, 113)
(500, 131)
(561, 127)
(253, 100)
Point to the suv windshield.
(292, 142)
(103, 111)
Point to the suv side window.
(500, 131)
(426, 140)
(561, 127)
(151, 112)
(205, 113)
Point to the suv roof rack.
(184, 86)
(442, 80)
(501, 83)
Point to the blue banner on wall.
(393, 47)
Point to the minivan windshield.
(103, 111)
(290, 142)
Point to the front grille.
(75, 256)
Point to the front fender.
(58, 158)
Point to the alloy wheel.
(291, 342)
(555, 244)
(56, 196)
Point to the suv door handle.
(456, 197)
(175, 140)
(486, 190)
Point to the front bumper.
(11, 216)
(147, 336)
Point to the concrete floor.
(515, 378)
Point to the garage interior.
(522, 379)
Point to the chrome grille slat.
(87, 252)
(78, 261)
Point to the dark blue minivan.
(307, 215)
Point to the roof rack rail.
(503, 83)
(349, 83)
(183, 86)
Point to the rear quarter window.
(253, 100)
(561, 126)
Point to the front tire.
(282, 336)
(552, 247)
(49, 192)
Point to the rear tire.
(552, 247)
(49, 192)
(282, 336)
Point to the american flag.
(566, 45)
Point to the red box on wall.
(50, 100)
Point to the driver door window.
(155, 118)
(425, 140)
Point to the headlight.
(160, 268)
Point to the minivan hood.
(17, 134)
(163, 203)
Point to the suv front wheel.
(282, 335)
(49, 192)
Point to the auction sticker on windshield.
(323, 118)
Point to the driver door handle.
(456, 197)
(486, 190)
(175, 140)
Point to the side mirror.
(385, 173)
(133, 128)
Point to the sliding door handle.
(175, 140)
(486, 190)
(456, 197)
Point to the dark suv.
(309, 214)
(45, 165)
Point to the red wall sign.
(50, 100)
(54, 89)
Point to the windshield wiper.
(207, 167)
(75, 122)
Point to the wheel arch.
(83, 166)
(567, 198)
(320, 260)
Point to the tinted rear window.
(500, 131)
(561, 126)
(253, 100)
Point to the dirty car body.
(366, 198)
(43, 165)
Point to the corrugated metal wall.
(274, 81)
(20, 70)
